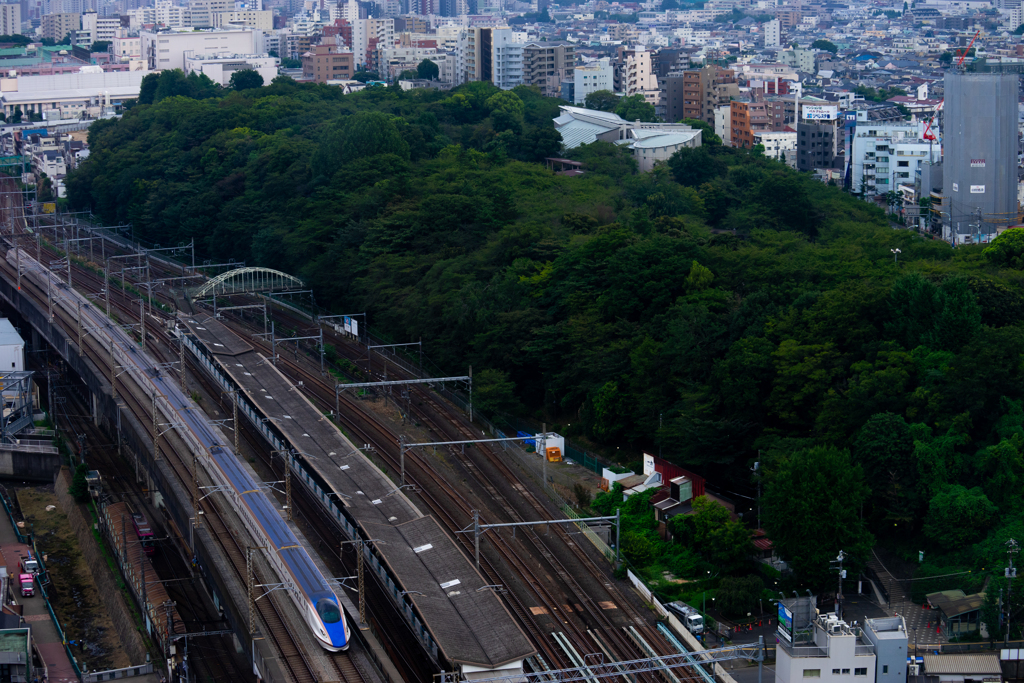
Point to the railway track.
(291, 653)
(585, 631)
(599, 633)
(219, 662)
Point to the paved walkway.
(44, 633)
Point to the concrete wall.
(29, 466)
(979, 133)
(120, 614)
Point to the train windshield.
(328, 611)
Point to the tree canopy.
(827, 45)
(813, 500)
(428, 70)
(717, 307)
(245, 79)
(635, 108)
(602, 100)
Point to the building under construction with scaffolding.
(979, 167)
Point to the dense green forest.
(719, 307)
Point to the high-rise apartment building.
(489, 54)
(979, 133)
(164, 14)
(634, 74)
(547, 64)
(816, 144)
(747, 119)
(261, 20)
(696, 93)
(10, 19)
(95, 27)
(887, 155)
(56, 26)
(772, 33)
(204, 11)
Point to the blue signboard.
(785, 623)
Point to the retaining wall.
(120, 614)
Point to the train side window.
(328, 611)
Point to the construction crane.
(960, 62)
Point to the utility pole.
(234, 419)
(106, 284)
(541, 443)
(288, 485)
(195, 489)
(181, 366)
(839, 591)
(757, 473)
(156, 433)
(249, 588)
(113, 373)
(362, 584)
(142, 321)
(476, 537)
(1011, 574)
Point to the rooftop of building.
(9, 335)
(963, 664)
(655, 139)
(887, 628)
(955, 602)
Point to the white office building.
(779, 145)
(821, 647)
(772, 33)
(598, 75)
(70, 94)
(95, 28)
(167, 49)
(126, 48)
(887, 155)
(219, 68)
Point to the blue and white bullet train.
(313, 596)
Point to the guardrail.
(114, 674)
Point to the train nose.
(336, 634)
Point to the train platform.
(469, 624)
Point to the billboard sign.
(648, 464)
(814, 112)
(956, 187)
(977, 163)
(348, 326)
(977, 189)
(785, 623)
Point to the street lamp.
(896, 255)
